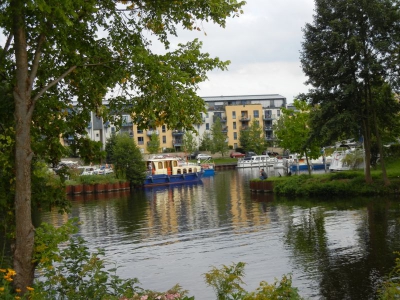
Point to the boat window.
(160, 165)
(184, 171)
(195, 170)
(190, 170)
(165, 164)
(178, 171)
(175, 163)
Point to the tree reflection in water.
(335, 248)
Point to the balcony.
(269, 138)
(268, 128)
(177, 142)
(244, 127)
(222, 119)
(151, 132)
(225, 129)
(269, 117)
(126, 124)
(177, 132)
(245, 118)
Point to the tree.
(253, 138)
(244, 140)
(206, 141)
(219, 143)
(348, 52)
(81, 50)
(128, 160)
(109, 148)
(294, 133)
(189, 142)
(153, 146)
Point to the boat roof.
(164, 157)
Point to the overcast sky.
(263, 45)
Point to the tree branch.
(7, 45)
(47, 87)
(36, 59)
(55, 81)
(5, 49)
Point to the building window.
(139, 131)
(207, 126)
(164, 129)
(234, 125)
(112, 129)
(257, 122)
(140, 140)
(278, 112)
(235, 145)
(256, 114)
(125, 119)
(235, 135)
(234, 115)
(164, 139)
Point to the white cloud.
(263, 46)
(284, 78)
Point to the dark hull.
(294, 168)
(162, 179)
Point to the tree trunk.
(308, 164)
(381, 154)
(379, 142)
(367, 149)
(24, 236)
(24, 231)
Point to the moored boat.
(296, 163)
(208, 169)
(164, 170)
(256, 161)
(340, 163)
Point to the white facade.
(271, 104)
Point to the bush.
(391, 286)
(227, 281)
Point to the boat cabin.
(171, 166)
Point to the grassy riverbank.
(346, 183)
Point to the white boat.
(256, 161)
(294, 163)
(339, 161)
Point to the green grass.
(344, 183)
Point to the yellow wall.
(145, 136)
(244, 117)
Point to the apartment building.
(238, 112)
(235, 112)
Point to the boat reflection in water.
(336, 249)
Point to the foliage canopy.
(63, 58)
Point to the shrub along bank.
(346, 183)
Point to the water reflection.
(166, 235)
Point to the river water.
(334, 248)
